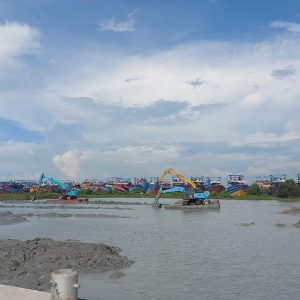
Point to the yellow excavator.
(189, 192)
(173, 173)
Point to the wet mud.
(7, 217)
(94, 216)
(297, 224)
(68, 206)
(117, 275)
(247, 224)
(29, 264)
(292, 211)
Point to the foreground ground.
(29, 263)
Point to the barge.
(191, 204)
(186, 205)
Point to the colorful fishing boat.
(213, 185)
(275, 182)
(237, 186)
(264, 182)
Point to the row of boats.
(236, 184)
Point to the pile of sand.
(29, 263)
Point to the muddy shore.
(29, 264)
(292, 211)
(67, 206)
(8, 218)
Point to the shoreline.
(23, 196)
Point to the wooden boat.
(237, 186)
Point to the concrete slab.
(8, 292)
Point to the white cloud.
(290, 26)
(225, 66)
(69, 162)
(126, 132)
(111, 24)
(143, 154)
(17, 39)
(19, 160)
(264, 138)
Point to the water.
(183, 255)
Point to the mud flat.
(7, 218)
(95, 216)
(297, 224)
(29, 264)
(247, 224)
(117, 202)
(68, 206)
(292, 211)
(280, 225)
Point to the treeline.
(287, 189)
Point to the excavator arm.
(171, 172)
(170, 190)
(60, 184)
(65, 187)
(39, 187)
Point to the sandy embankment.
(29, 263)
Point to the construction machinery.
(189, 190)
(69, 194)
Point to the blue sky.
(157, 23)
(91, 89)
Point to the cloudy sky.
(91, 89)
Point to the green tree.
(223, 194)
(254, 189)
(89, 191)
(289, 189)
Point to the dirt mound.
(29, 264)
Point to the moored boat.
(237, 186)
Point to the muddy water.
(235, 253)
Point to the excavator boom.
(65, 187)
(171, 172)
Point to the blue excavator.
(69, 193)
(189, 191)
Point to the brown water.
(182, 255)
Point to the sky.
(94, 89)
